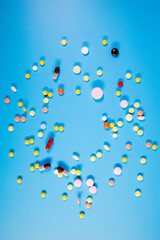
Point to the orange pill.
(7, 100)
(148, 144)
(23, 118)
(106, 125)
(45, 109)
(111, 182)
(88, 205)
(140, 113)
(60, 91)
(128, 146)
(17, 118)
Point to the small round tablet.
(77, 183)
(140, 132)
(81, 215)
(97, 93)
(13, 88)
(124, 104)
(104, 118)
(64, 42)
(86, 78)
(137, 104)
(138, 79)
(104, 42)
(43, 126)
(89, 199)
(138, 193)
(99, 72)
(120, 123)
(114, 135)
(75, 157)
(143, 160)
(70, 186)
(139, 177)
(129, 117)
(88, 205)
(93, 189)
(42, 63)
(118, 93)
(85, 50)
(128, 146)
(148, 144)
(154, 146)
(35, 68)
(117, 171)
(111, 181)
(93, 158)
(45, 109)
(76, 69)
(64, 196)
(135, 128)
(90, 182)
(7, 100)
(43, 194)
(106, 125)
(128, 75)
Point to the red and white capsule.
(61, 170)
(49, 143)
(44, 167)
(56, 73)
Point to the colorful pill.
(61, 170)
(44, 167)
(56, 72)
(49, 144)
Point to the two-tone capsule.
(61, 170)
(44, 167)
(56, 73)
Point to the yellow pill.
(27, 75)
(115, 129)
(135, 128)
(73, 171)
(89, 200)
(50, 94)
(140, 132)
(24, 109)
(143, 160)
(42, 62)
(78, 172)
(31, 140)
(60, 175)
(61, 128)
(19, 180)
(36, 153)
(118, 93)
(36, 165)
(99, 72)
(70, 186)
(64, 197)
(10, 128)
(32, 168)
(45, 93)
(131, 110)
(124, 159)
(81, 215)
(93, 158)
(45, 100)
(99, 154)
(112, 125)
(137, 104)
(26, 142)
(64, 42)
(140, 177)
(86, 78)
(128, 75)
(20, 104)
(120, 123)
(154, 146)
(40, 134)
(56, 128)
(76, 69)
(138, 80)
(11, 154)
(78, 91)
(43, 194)
(104, 42)
(129, 117)
(32, 113)
(137, 193)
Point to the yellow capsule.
(78, 91)
(93, 158)
(40, 134)
(42, 62)
(45, 93)
(154, 146)
(73, 171)
(89, 199)
(32, 113)
(32, 168)
(104, 42)
(137, 104)
(140, 177)
(20, 104)
(131, 110)
(24, 109)
(50, 94)
(128, 75)
(10, 128)
(78, 172)
(45, 100)
(120, 123)
(137, 193)
(31, 140)
(60, 175)
(19, 180)
(115, 129)
(64, 197)
(118, 93)
(64, 42)
(11, 154)
(138, 80)
(135, 128)
(56, 128)
(61, 128)
(36, 165)
(99, 72)
(27, 75)
(86, 78)
(43, 194)
(70, 186)
(124, 159)
(112, 125)
(36, 153)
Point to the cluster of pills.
(107, 123)
(153, 145)
(94, 156)
(59, 127)
(34, 166)
(29, 140)
(92, 186)
(138, 129)
(60, 172)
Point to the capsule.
(44, 167)
(78, 200)
(61, 170)
(49, 143)
(56, 73)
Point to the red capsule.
(44, 167)
(61, 170)
(56, 72)
(49, 144)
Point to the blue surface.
(33, 29)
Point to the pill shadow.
(42, 58)
(118, 165)
(116, 45)
(77, 154)
(51, 135)
(125, 97)
(63, 165)
(105, 38)
(79, 167)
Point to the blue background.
(33, 29)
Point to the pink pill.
(97, 93)
(77, 182)
(93, 189)
(124, 103)
(117, 171)
(90, 182)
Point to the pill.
(120, 84)
(70, 186)
(88, 205)
(43, 126)
(19, 179)
(112, 124)
(13, 88)
(89, 182)
(23, 118)
(36, 152)
(78, 200)
(138, 193)
(118, 93)
(128, 146)
(64, 196)
(131, 110)
(45, 93)
(106, 125)
(17, 118)
(36, 165)
(148, 144)
(140, 113)
(135, 128)
(61, 128)
(61, 170)
(50, 94)
(44, 167)
(99, 154)
(104, 42)
(10, 128)
(43, 194)
(124, 159)
(32, 168)
(40, 134)
(154, 146)
(141, 118)
(56, 73)
(89, 199)
(137, 104)
(114, 52)
(128, 75)
(115, 129)
(60, 91)
(117, 171)
(76, 69)
(111, 181)
(93, 158)
(97, 93)
(31, 141)
(129, 117)
(59, 175)
(56, 128)
(45, 109)
(27, 76)
(78, 172)
(49, 143)
(81, 215)
(78, 91)
(24, 109)
(120, 123)
(78, 183)
(42, 63)
(140, 132)
(93, 189)
(99, 72)
(26, 142)
(55, 171)
(32, 113)
(138, 79)
(86, 78)
(7, 100)
(11, 153)
(73, 171)
(20, 104)
(35, 68)
(84, 50)
(115, 135)
(75, 156)
(104, 118)
(143, 160)
(64, 42)
(106, 147)
(46, 100)
(124, 104)
(140, 177)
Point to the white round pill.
(35, 68)
(114, 135)
(84, 50)
(104, 118)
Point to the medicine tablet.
(23, 118)
(78, 172)
(88, 205)
(60, 91)
(137, 104)
(115, 129)
(45, 109)
(56, 128)
(115, 135)
(154, 147)
(20, 104)
(124, 104)
(89, 199)
(64, 42)
(138, 193)
(128, 146)
(32, 113)
(140, 113)
(75, 157)
(43, 194)
(10, 128)
(78, 91)
(36, 152)
(61, 128)
(35, 68)
(89, 182)
(45, 100)
(93, 189)
(19, 180)
(59, 175)
(77, 183)
(114, 52)
(120, 123)
(131, 110)
(81, 215)
(40, 134)
(124, 159)
(117, 171)
(73, 171)
(104, 118)
(50, 94)
(11, 153)
(36, 165)
(139, 177)
(99, 72)
(76, 69)
(97, 93)
(106, 125)
(32, 168)
(118, 93)
(140, 132)
(111, 181)
(104, 42)
(13, 88)
(129, 117)
(148, 144)
(7, 100)
(138, 80)
(86, 78)
(135, 128)
(93, 158)
(27, 76)
(106, 147)
(70, 186)
(17, 118)
(42, 63)
(43, 126)
(85, 50)
(143, 160)
(120, 84)
(128, 75)
(55, 171)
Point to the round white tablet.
(104, 118)
(35, 68)
(85, 50)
